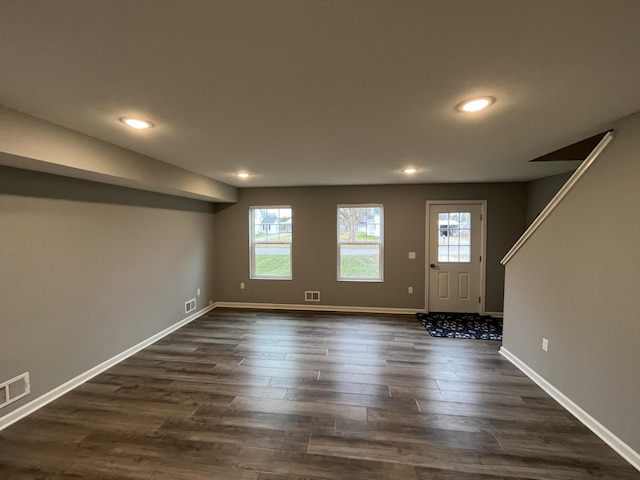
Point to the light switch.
(412, 255)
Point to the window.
(270, 242)
(360, 231)
(454, 243)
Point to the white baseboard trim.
(624, 450)
(37, 403)
(318, 308)
(495, 314)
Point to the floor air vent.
(14, 389)
(311, 296)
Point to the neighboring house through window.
(360, 243)
(270, 240)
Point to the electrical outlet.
(241, 285)
(412, 256)
(198, 292)
(545, 344)
(410, 289)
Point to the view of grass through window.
(271, 237)
(360, 232)
(360, 243)
(273, 265)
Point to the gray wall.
(541, 191)
(575, 282)
(88, 270)
(314, 244)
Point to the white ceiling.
(328, 92)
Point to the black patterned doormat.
(462, 325)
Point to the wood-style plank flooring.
(257, 395)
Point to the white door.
(454, 261)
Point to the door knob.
(433, 265)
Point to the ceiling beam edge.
(32, 144)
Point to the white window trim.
(381, 243)
(252, 243)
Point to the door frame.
(483, 247)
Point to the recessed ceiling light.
(475, 104)
(410, 170)
(242, 174)
(137, 123)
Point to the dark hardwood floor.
(303, 396)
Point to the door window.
(454, 237)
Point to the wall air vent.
(14, 389)
(190, 306)
(312, 296)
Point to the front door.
(454, 263)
